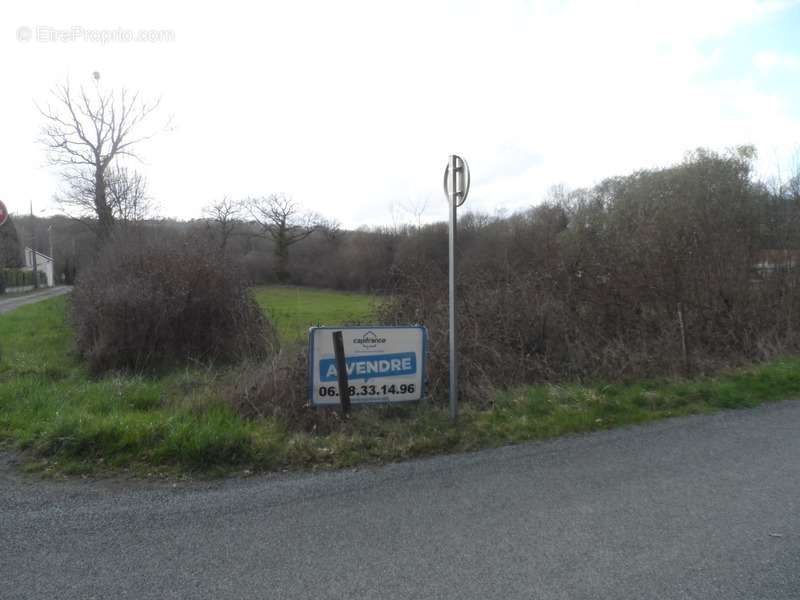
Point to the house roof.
(40, 254)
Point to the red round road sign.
(3, 213)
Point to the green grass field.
(67, 422)
(295, 309)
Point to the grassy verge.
(69, 423)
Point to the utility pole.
(53, 275)
(33, 250)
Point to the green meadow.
(295, 309)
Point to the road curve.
(701, 507)
(9, 304)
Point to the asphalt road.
(9, 304)
(700, 507)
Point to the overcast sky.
(352, 108)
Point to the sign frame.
(456, 172)
(423, 367)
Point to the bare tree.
(125, 195)
(330, 228)
(281, 220)
(85, 131)
(416, 207)
(224, 217)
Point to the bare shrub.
(147, 304)
(676, 271)
(277, 388)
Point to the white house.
(44, 263)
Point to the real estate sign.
(384, 364)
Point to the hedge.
(18, 278)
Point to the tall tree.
(281, 220)
(222, 218)
(85, 131)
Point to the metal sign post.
(456, 188)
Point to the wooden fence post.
(341, 372)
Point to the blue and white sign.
(384, 364)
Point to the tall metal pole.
(52, 257)
(452, 285)
(33, 250)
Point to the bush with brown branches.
(146, 304)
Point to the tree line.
(678, 210)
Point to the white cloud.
(353, 106)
